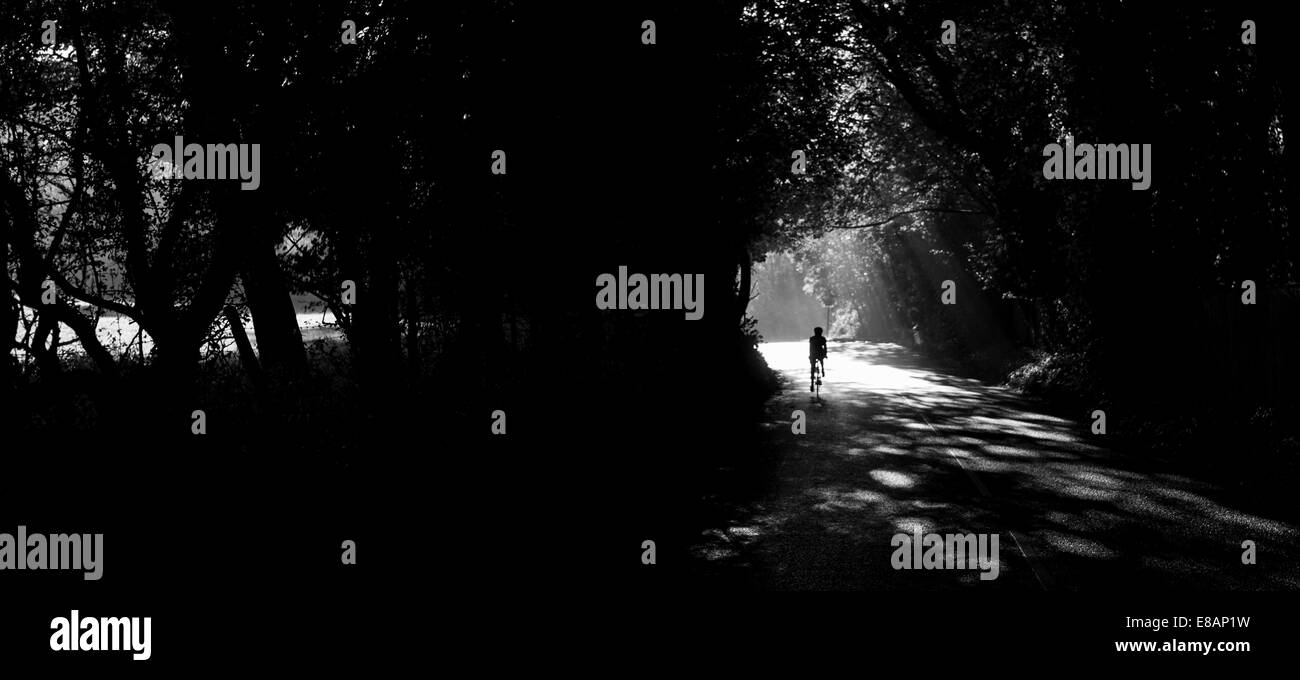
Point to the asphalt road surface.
(894, 446)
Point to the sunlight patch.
(834, 499)
(895, 480)
(1002, 450)
(1079, 546)
(865, 496)
(1090, 493)
(1253, 523)
(911, 525)
(1098, 479)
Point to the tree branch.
(91, 298)
(891, 218)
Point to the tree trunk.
(376, 311)
(47, 358)
(84, 329)
(746, 283)
(175, 372)
(412, 314)
(11, 366)
(246, 356)
(279, 341)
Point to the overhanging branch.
(891, 218)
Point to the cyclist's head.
(817, 330)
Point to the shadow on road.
(895, 445)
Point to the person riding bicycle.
(816, 352)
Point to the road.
(895, 445)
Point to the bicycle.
(815, 381)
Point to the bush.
(758, 378)
(1061, 378)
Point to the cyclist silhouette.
(816, 353)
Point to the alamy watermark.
(90, 634)
(954, 551)
(56, 551)
(1101, 161)
(210, 161)
(657, 291)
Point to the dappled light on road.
(895, 445)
